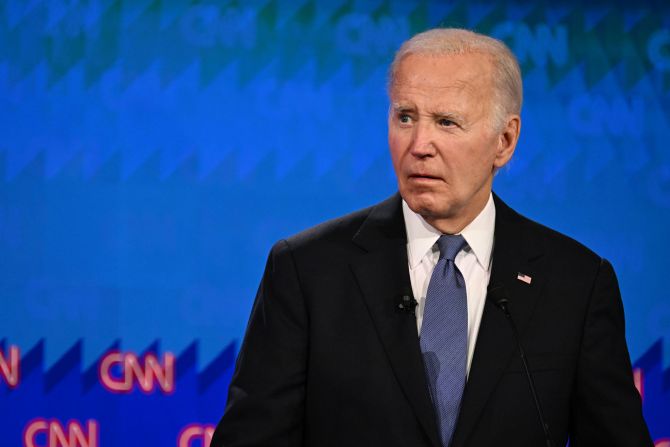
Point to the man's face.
(442, 139)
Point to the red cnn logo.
(130, 369)
(43, 433)
(10, 364)
(195, 435)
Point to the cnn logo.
(120, 371)
(10, 363)
(51, 433)
(195, 435)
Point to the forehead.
(443, 76)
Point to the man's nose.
(423, 140)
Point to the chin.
(424, 205)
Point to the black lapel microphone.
(497, 293)
(405, 303)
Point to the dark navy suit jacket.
(328, 360)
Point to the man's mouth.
(423, 177)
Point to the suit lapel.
(515, 251)
(382, 275)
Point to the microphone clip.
(406, 304)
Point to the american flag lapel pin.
(524, 278)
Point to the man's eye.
(446, 122)
(404, 118)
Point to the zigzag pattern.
(103, 33)
(70, 365)
(65, 387)
(66, 391)
(110, 57)
(137, 143)
(241, 102)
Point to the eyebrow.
(400, 107)
(454, 116)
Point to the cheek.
(395, 148)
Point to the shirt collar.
(421, 236)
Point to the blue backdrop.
(152, 151)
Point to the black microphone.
(405, 303)
(497, 293)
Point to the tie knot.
(450, 245)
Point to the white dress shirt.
(474, 263)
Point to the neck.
(455, 224)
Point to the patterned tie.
(444, 334)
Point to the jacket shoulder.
(333, 231)
(564, 248)
(551, 240)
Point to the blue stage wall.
(152, 151)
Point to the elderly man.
(339, 353)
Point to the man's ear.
(507, 139)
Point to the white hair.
(508, 89)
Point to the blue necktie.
(444, 335)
